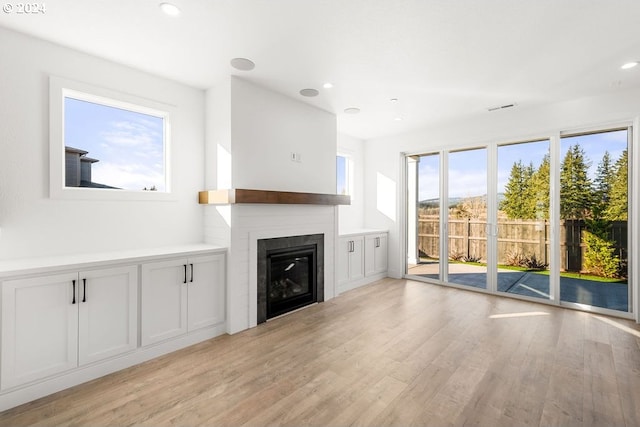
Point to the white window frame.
(59, 89)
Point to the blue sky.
(341, 175)
(128, 145)
(468, 169)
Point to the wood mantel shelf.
(239, 195)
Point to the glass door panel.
(594, 250)
(523, 219)
(423, 233)
(467, 218)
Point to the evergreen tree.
(514, 203)
(576, 195)
(617, 207)
(540, 187)
(602, 185)
(529, 192)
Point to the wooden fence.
(468, 238)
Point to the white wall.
(217, 220)
(33, 224)
(266, 128)
(383, 156)
(352, 216)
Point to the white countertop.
(360, 231)
(54, 263)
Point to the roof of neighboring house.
(88, 159)
(68, 149)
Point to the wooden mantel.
(239, 195)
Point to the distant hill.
(453, 201)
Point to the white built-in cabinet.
(54, 323)
(362, 258)
(72, 319)
(181, 295)
(375, 250)
(350, 259)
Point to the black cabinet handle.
(191, 274)
(84, 290)
(185, 273)
(74, 292)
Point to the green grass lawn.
(546, 272)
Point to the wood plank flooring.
(394, 353)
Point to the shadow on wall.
(386, 196)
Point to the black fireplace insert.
(290, 274)
(291, 279)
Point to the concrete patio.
(614, 296)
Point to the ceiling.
(442, 60)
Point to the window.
(343, 175)
(107, 145)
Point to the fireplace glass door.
(291, 279)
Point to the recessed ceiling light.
(309, 92)
(629, 65)
(170, 9)
(398, 119)
(242, 64)
(394, 100)
(327, 85)
(352, 110)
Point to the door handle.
(191, 274)
(84, 290)
(185, 273)
(74, 292)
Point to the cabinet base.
(27, 393)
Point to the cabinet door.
(344, 247)
(356, 258)
(375, 254)
(163, 300)
(39, 328)
(108, 304)
(206, 291)
(380, 258)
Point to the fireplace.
(290, 274)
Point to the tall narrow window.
(343, 175)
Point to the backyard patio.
(610, 295)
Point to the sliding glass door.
(467, 218)
(423, 250)
(523, 252)
(553, 224)
(594, 188)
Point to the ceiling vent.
(502, 107)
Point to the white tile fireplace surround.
(252, 222)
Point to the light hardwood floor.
(396, 352)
